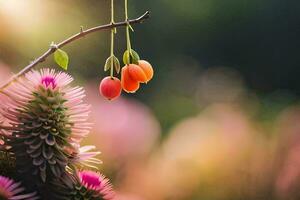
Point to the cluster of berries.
(131, 77)
(134, 72)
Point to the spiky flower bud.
(48, 117)
(93, 186)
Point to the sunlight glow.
(20, 12)
(13, 7)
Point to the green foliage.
(112, 61)
(61, 58)
(131, 57)
(7, 164)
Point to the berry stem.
(112, 12)
(127, 28)
(113, 30)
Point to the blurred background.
(220, 120)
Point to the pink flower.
(49, 81)
(5, 74)
(11, 190)
(96, 183)
(46, 117)
(23, 91)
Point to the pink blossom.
(96, 182)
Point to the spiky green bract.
(82, 193)
(7, 164)
(72, 191)
(42, 135)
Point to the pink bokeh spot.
(49, 81)
(134, 134)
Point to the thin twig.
(77, 36)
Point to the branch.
(69, 40)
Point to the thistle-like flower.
(93, 186)
(48, 117)
(81, 185)
(10, 190)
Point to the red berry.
(110, 87)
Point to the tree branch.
(77, 36)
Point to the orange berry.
(147, 68)
(110, 87)
(137, 73)
(128, 84)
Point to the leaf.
(61, 58)
(116, 64)
(112, 61)
(126, 58)
(107, 65)
(135, 57)
(132, 57)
